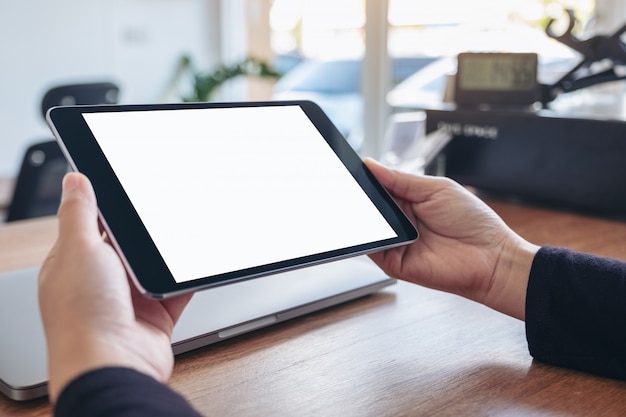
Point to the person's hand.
(92, 315)
(464, 247)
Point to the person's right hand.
(464, 247)
(92, 315)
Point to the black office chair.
(80, 94)
(37, 190)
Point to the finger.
(176, 305)
(78, 212)
(414, 188)
(161, 314)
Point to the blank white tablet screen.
(224, 189)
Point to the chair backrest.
(37, 190)
(80, 94)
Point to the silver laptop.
(212, 315)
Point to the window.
(328, 36)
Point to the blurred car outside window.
(335, 85)
(426, 88)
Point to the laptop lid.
(211, 316)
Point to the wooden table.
(404, 351)
(6, 192)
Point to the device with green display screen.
(497, 79)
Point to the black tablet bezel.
(133, 241)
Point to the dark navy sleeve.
(120, 392)
(576, 311)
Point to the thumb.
(410, 187)
(383, 174)
(78, 212)
(390, 179)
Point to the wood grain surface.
(406, 351)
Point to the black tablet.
(197, 195)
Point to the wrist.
(67, 363)
(69, 359)
(509, 282)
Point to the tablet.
(196, 195)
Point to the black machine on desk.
(502, 145)
(569, 163)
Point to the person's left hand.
(93, 316)
(464, 247)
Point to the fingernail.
(373, 162)
(71, 181)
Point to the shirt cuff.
(120, 392)
(576, 311)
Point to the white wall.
(610, 15)
(135, 43)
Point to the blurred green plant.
(204, 84)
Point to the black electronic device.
(197, 195)
(541, 158)
(496, 79)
